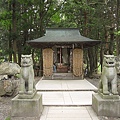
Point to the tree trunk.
(10, 46)
(90, 55)
(106, 48)
(41, 29)
(111, 40)
(117, 19)
(14, 51)
(10, 43)
(19, 58)
(95, 56)
(85, 22)
(19, 52)
(14, 30)
(101, 56)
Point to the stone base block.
(106, 107)
(27, 95)
(111, 96)
(27, 107)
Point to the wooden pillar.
(60, 56)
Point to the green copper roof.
(62, 36)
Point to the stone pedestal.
(27, 107)
(106, 107)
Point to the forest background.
(23, 20)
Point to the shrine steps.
(62, 76)
(66, 92)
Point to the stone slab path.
(65, 85)
(67, 99)
(68, 113)
(70, 98)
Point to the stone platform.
(65, 85)
(106, 107)
(66, 92)
(27, 107)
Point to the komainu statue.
(108, 82)
(27, 84)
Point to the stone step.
(68, 113)
(66, 92)
(61, 76)
(65, 85)
(72, 98)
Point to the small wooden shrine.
(63, 51)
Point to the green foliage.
(56, 17)
(8, 118)
(17, 76)
(5, 19)
(26, 50)
(22, 20)
(117, 33)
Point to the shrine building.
(62, 50)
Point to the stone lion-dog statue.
(27, 83)
(108, 82)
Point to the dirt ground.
(5, 103)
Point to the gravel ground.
(5, 107)
(94, 81)
(5, 104)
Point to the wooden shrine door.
(78, 62)
(47, 62)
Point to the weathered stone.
(110, 96)
(118, 86)
(27, 107)
(7, 68)
(8, 87)
(2, 90)
(3, 77)
(27, 82)
(26, 95)
(106, 107)
(25, 118)
(108, 82)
